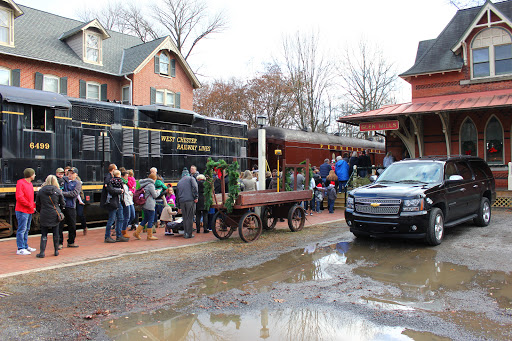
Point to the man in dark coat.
(72, 189)
(200, 210)
(186, 199)
(364, 163)
(325, 168)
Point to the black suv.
(418, 198)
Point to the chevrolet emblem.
(374, 204)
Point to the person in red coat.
(25, 207)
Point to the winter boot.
(56, 243)
(137, 232)
(150, 235)
(42, 247)
(125, 234)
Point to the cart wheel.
(296, 218)
(250, 227)
(269, 222)
(220, 229)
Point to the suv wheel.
(484, 213)
(435, 229)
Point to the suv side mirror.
(454, 179)
(373, 178)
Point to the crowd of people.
(60, 200)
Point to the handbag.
(60, 215)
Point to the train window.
(39, 118)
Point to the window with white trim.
(92, 47)
(164, 63)
(6, 20)
(125, 94)
(165, 97)
(5, 76)
(93, 91)
(491, 53)
(51, 83)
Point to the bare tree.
(270, 94)
(187, 22)
(367, 78)
(122, 17)
(310, 76)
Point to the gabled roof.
(17, 10)
(40, 36)
(437, 55)
(93, 23)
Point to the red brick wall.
(147, 78)
(142, 81)
(30, 67)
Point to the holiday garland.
(233, 189)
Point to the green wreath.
(233, 188)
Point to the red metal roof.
(497, 98)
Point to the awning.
(171, 115)
(459, 102)
(13, 94)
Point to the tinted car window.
(464, 170)
(481, 166)
(450, 170)
(479, 173)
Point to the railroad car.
(45, 130)
(298, 145)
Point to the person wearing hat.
(59, 173)
(72, 189)
(25, 207)
(319, 197)
(331, 196)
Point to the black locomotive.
(45, 130)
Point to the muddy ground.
(319, 283)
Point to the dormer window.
(491, 52)
(92, 47)
(6, 20)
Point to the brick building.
(44, 51)
(461, 93)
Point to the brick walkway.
(92, 248)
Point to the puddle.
(287, 324)
(423, 284)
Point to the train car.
(297, 145)
(45, 130)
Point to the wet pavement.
(317, 284)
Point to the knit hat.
(28, 172)
(319, 186)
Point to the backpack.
(139, 197)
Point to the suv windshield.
(426, 172)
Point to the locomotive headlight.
(350, 202)
(411, 205)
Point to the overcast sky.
(256, 29)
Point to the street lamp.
(261, 120)
(262, 148)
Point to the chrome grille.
(379, 201)
(377, 210)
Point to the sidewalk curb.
(53, 267)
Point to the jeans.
(117, 217)
(159, 207)
(318, 206)
(129, 215)
(149, 217)
(80, 214)
(330, 204)
(70, 220)
(342, 185)
(24, 220)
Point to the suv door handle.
(463, 190)
(475, 186)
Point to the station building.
(461, 93)
(44, 51)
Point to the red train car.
(298, 145)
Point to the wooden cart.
(275, 205)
